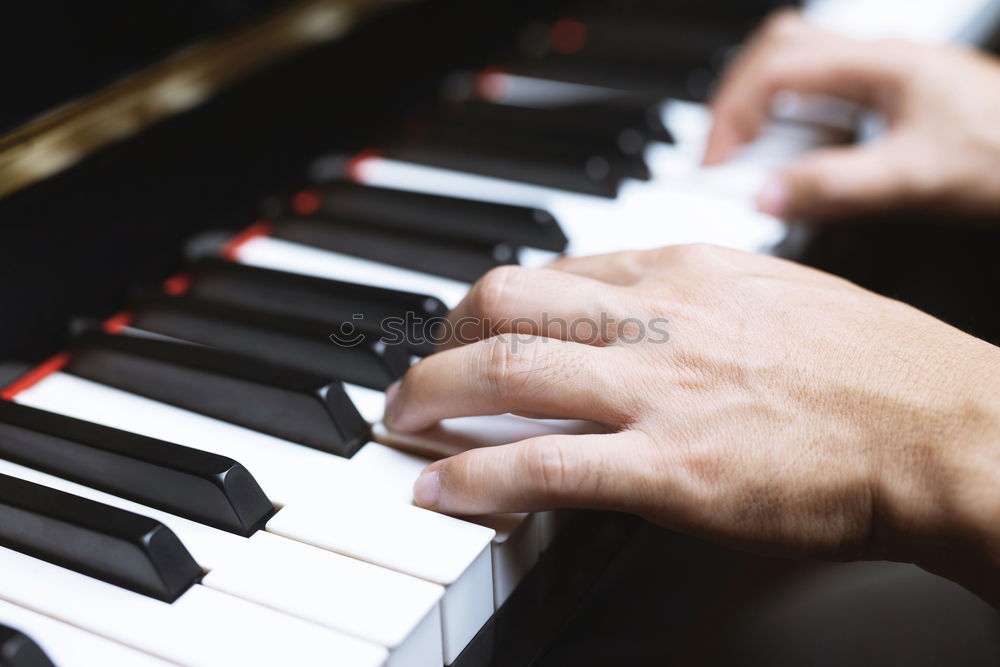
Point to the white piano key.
(385, 607)
(521, 538)
(643, 216)
(69, 646)
(512, 89)
(203, 627)
(402, 175)
(369, 402)
(518, 540)
(410, 540)
(354, 597)
(310, 485)
(287, 256)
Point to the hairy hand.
(941, 150)
(786, 410)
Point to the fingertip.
(773, 198)
(427, 489)
(400, 414)
(715, 155)
(391, 410)
(722, 142)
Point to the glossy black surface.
(521, 631)
(73, 245)
(628, 129)
(19, 650)
(119, 547)
(529, 142)
(306, 344)
(371, 310)
(64, 48)
(440, 217)
(458, 260)
(302, 407)
(197, 485)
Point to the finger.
(513, 374)
(795, 57)
(544, 473)
(838, 182)
(618, 268)
(630, 268)
(536, 302)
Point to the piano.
(209, 212)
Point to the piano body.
(191, 470)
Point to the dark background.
(56, 50)
(71, 245)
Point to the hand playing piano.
(786, 410)
(941, 105)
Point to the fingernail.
(427, 489)
(391, 408)
(773, 197)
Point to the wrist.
(942, 495)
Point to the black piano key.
(332, 302)
(629, 133)
(305, 408)
(614, 108)
(343, 352)
(107, 543)
(434, 215)
(680, 43)
(529, 142)
(641, 112)
(196, 485)
(19, 650)
(458, 260)
(721, 12)
(679, 82)
(592, 175)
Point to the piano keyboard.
(203, 479)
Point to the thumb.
(835, 182)
(533, 475)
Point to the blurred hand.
(788, 411)
(941, 105)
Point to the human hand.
(788, 412)
(941, 105)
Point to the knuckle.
(547, 466)
(692, 254)
(897, 49)
(901, 59)
(783, 24)
(495, 291)
(506, 367)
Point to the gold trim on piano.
(68, 134)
